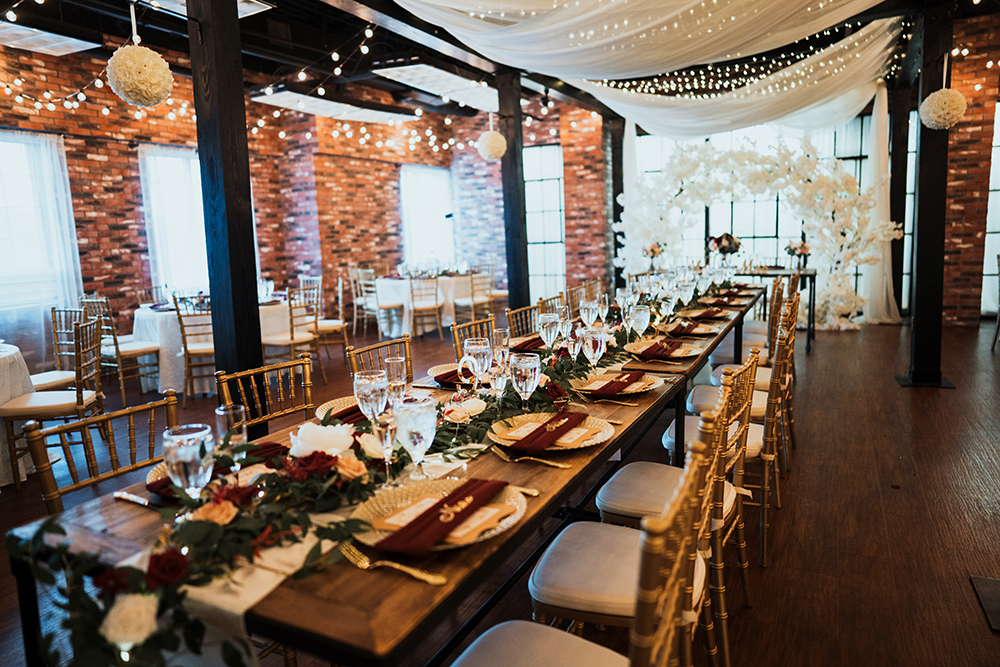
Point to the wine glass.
(231, 420)
(395, 375)
(501, 351)
(594, 344)
(622, 297)
(482, 352)
(588, 312)
(602, 307)
(640, 319)
(565, 321)
(384, 428)
(525, 373)
(574, 342)
(548, 327)
(416, 420)
(187, 453)
(371, 389)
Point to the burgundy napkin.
(268, 451)
(611, 389)
(450, 378)
(349, 415)
(417, 537)
(528, 345)
(540, 439)
(726, 301)
(660, 350)
(683, 329)
(707, 314)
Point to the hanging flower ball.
(942, 109)
(140, 76)
(492, 145)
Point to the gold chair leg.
(12, 449)
(711, 646)
(718, 596)
(291, 659)
(539, 617)
(765, 508)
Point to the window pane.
(532, 164)
(551, 201)
(533, 195)
(536, 227)
(765, 218)
(553, 224)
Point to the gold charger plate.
(499, 428)
(390, 501)
(156, 473)
(336, 405)
(655, 379)
(684, 350)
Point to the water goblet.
(500, 338)
(525, 373)
(622, 297)
(482, 352)
(588, 312)
(640, 319)
(416, 421)
(187, 453)
(548, 327)
(595, 342)
(602, 307)
(565, 321)
(371, 389)
(384, 428)
(573, 343)
(231, 422)
(395, 375)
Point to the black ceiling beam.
(563, 92)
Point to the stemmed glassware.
(384, 428)
(395, 375)
(548, 327)
(371, 389)
(639, 319)
(481, 351)
(231, 420)
(416, 420)
(595, 342)
(565, 321)
(501, 351)
(602, 307)
(588, 312)
(525, 371)
(574, 342)
(187, 453)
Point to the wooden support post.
(512, 172)
(929, 223)
(615, 149)
(899, 111)
(217, 68)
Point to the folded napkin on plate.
(707, 314)
(660, 350)
(683, 329)
(349, 415)
(540, 439)
(528, 345)
(450, 378)
(725, 301)
(268, 451)
(611, 389)
(417, 537)
(730, 293)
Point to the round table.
(15, 380)
(397, 290)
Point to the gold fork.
(503, 455)
(365, 563)
(608, 400)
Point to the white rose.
(131, 620)
(312, 437)
(370, 446)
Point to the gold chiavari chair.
(574, 296)
(373, 357)
(382, 312)
(551, 304)
(151, 295)
(140, 424)
(357, 299)
(572, 579)
(194, 316)
(478, 329)
(332, 331)
(793, 283)
(722, 355)
(593, 288)
(658, 637)
(480, 290)
(497, 296)
(63, 320)
(522, 321)
(425, 302)
(303, 320)
(269, 392)
(47, 405)
(123, 358)
(764, 326)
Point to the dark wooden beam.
(512, 172)
(899, 112)
(563, 92)
(929, 213)
(614, 129)
(214, 31)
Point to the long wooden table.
(376, 617)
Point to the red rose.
(554, 391)
(166, 569)
(237, 495)
(111, 581)
(317, 463)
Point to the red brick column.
(588, 249)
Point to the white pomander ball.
(140, 76)
(492, 145)
(942, 109)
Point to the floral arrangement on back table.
(725, 244)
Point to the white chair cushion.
(755, 440)
(44, 404)
(526, 644)
(499, 294)
(703, 398)
(390, 306)
(592, 567)
(50, 380)
(200, 350)
(761, 381)
(329, 326)
(133, 348)
(283, 340)
(426, 305)
(758, 408)
(127, 338)
(465, 302)
(639, 489)
(755, 435)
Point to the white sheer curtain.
(426, 211)
(175, 223)
(876, 279)
(826, 89)
(604, 39)
(41, 260)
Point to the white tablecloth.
(161, 327)
(392, 290)
(15, 380)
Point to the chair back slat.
(87, 350)
(276, 377)
(551, 304)
(522, 321)
(574, 297)
(63, 345)
(373, 357)
(476, 329)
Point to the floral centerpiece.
(725, 244)
(798, 249)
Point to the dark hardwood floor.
(893, 502)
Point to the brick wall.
(588, 250)
(970, 148)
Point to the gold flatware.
(503, 455)
(608, 400)
(526, 491)
(363, 562)
(616, 422)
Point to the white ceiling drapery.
(826, 89)
(621, 39)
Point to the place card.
(595, 385)
(570, 439)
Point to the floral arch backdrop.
(836, 215)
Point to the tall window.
(543, 198)
(41, 263)
(426, 211)
(175, 224)
(911, 181)
(990, 279)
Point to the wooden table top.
(373, 617)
